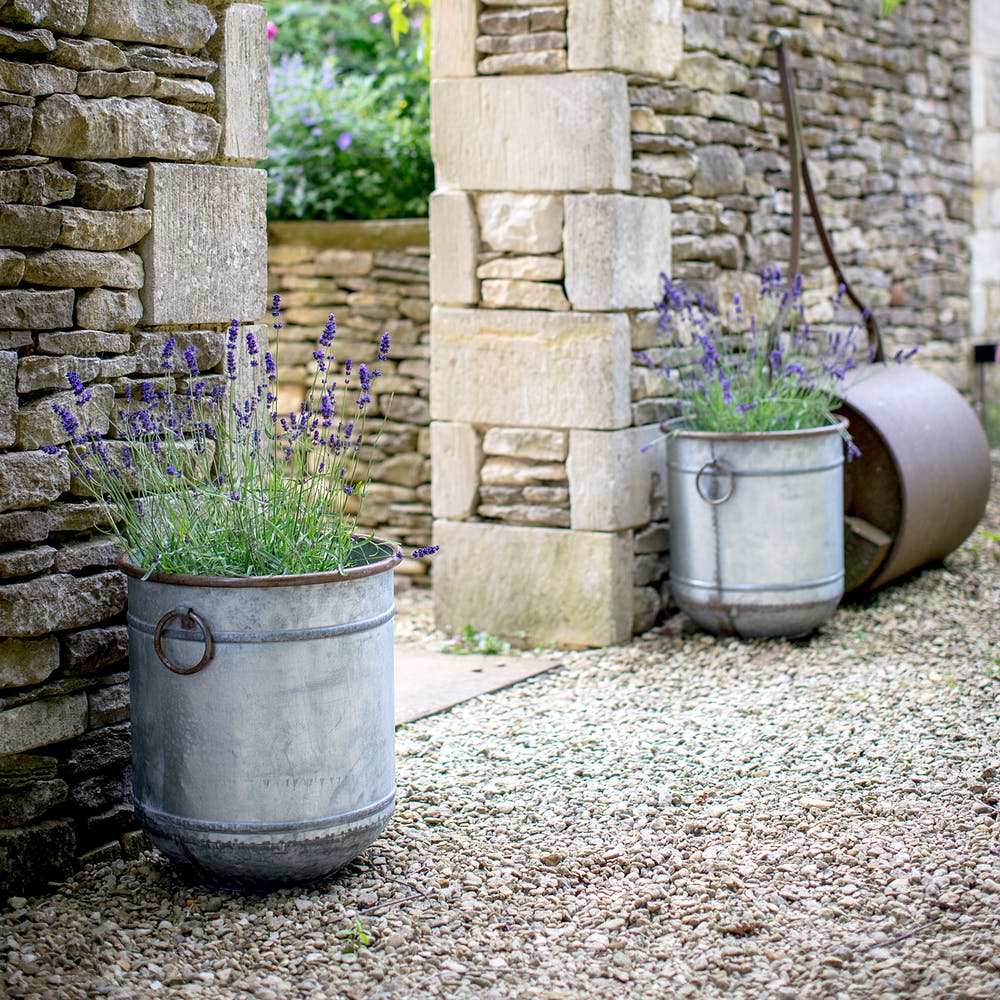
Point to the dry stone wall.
(129, 213)
(373, 277)
(582, 148)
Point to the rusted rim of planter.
(676, 426)
(382, 565)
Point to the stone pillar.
(544, 267)
(130, 211)
(985, 243)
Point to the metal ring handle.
(715, 467)
(190, 616)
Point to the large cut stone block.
(454, 30)
(240, 49)
(84, 269)
(565, 132)
(615, 248)
(613, 483)
(24, 662)
(572, 588)
(985, 33)
(29, 309)
(633, 36)
(206, 255)
(454, 249)
(8, 399)
(456, 454)
(177, 24)
(529, 369)
(119, 128)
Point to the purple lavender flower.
(167, 354)
(329, 332)
(69, 422)
(276, 306)
(81, 392)
(232, 338)
(427, 550)
(383, 347)
(344, 141)
(270, 366)
(191, 360)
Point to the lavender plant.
(207, 478)
(764, 372)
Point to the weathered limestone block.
(24, 662)
(24, 526)
(453, 39)
(26, 562)
(98, 552)
(615, 248)
(24, 308)
(491, 363)
(985, 33)
(110, 185)
(521, 223)
(720, 171)
(15, 128)
(537, 443)
(108, 706)
(505, 294)
(29, 803)
(119, 128)
(209, 346)
(598, 459)
(523, 269)
(532, 133)
(13, 339)
(704, 71)
(170, 63)
(633, 36)
(545, 61)
(90, 651)
(456, 448)
(103, 231)
(16, 77)
(53, 80)
(65, 16)
(31, 479)
(526, 42)
(37, 373)
(84, 269)
(43, 722)
(89, 54)
(32, 856)
(11, 268)
(37, 41)
(186, 91)
(29, 226)
(104, 309)
(647, 605)
(39, 425)
(20, 770)
(503, 471)
(39, 185)
(572, 588)
(8, 398)
(130, 83)
(206, 255)
(454, 249)
(53, 603)
(177, 24)
(83, 342)
(241, 85)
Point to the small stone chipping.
(683, 816)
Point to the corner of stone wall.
(131, 212)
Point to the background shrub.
(350, 114)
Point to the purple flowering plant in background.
(739, 372)
(207, 478)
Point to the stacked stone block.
(373, 277)
(129, 213)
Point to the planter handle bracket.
(715, 470)
(189, 620)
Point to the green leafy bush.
(350, 115)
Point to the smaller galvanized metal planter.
(756, 528)
(262, 719)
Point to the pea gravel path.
(683, 816)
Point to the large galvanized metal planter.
(262, 719)
(756, 528)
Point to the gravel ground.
(683, 816)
